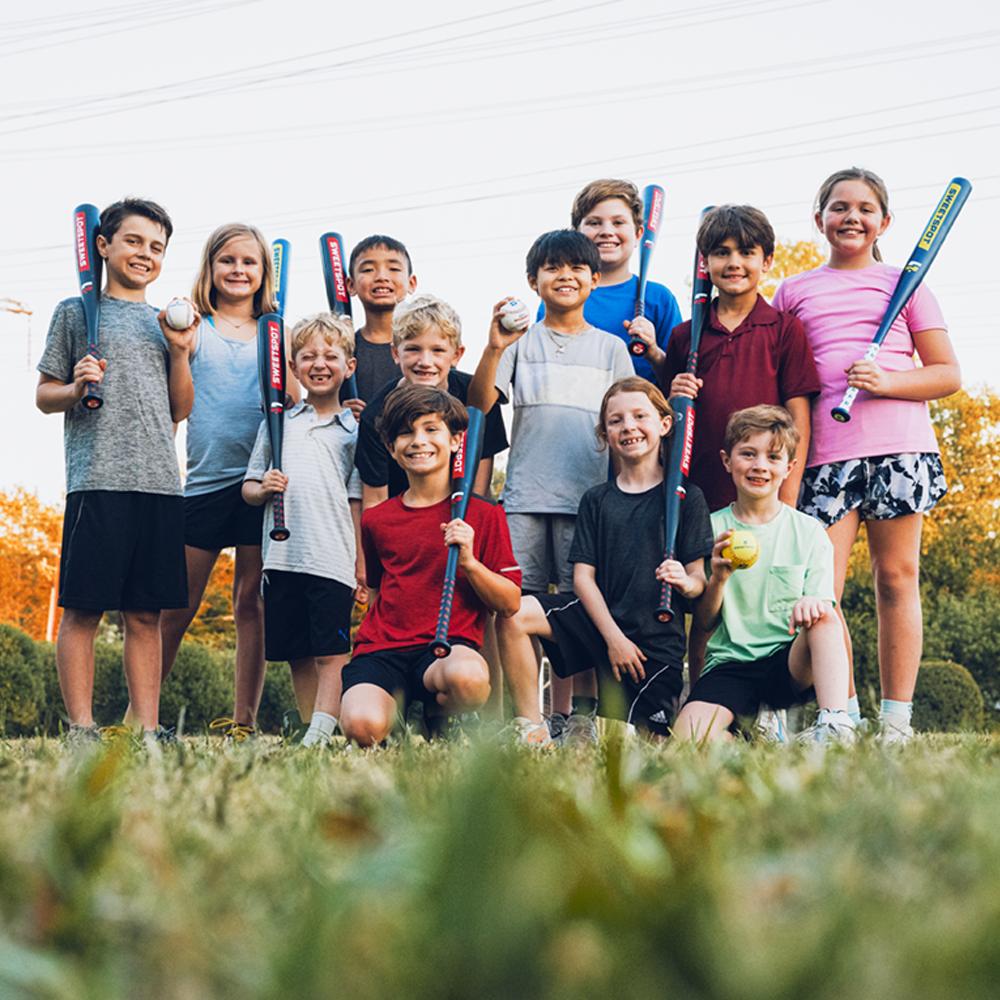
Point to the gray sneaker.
(557, 724)
(580, 731)
(829, 727)
(81, 737)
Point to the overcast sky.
(467, 134)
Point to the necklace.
(230, 323)
(559, 340)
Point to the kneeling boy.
(406, 541)
(776, 639)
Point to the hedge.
(947, 699)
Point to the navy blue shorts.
(122, 551)
(744, 687)
(222, 519)
(305, 615)
(396, 671)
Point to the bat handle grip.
(279, 533)
(842, 413)
(440, 646)
(663, 610)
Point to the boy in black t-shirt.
(618, 564)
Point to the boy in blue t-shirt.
(609, 214)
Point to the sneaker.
(557, 724)
(165, 736)
(580, 731)
(528, 733)
(116, 734)
(230, 729)
(891, 734)
(772, 726)
(81, 737)
(829, 727)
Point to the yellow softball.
(741, 549)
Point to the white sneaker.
(891, 734)
(580, 731)
(528, 733)
(830, 727)
(772, 725)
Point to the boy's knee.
(364, 724)
(468, 685)
(141, 619)
(247, 605)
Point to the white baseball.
(515, 316)
(180, 314)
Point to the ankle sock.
(323, 722)
(898, 713)
(854, 709)
(584, 706)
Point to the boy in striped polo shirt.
(311, 580)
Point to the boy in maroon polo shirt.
(406, 541)
(750, 353)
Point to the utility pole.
(10, 305)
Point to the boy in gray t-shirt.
(123, 533)
(555, 374)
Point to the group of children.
(572, 557)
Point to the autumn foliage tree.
(789, 259)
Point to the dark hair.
(747, 225)
(597, 191)
(377, 240)
(562, 246)
(409, 402)
(113, 216)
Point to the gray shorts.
(541, 545)
(878, 488)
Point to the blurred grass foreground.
(262, 871)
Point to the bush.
(278, 698)
(947, 698)
(201, 683)
(22, 688)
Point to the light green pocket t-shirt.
(796, 560)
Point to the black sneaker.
(557, 724)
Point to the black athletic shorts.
(577, 645)
(122, 551)
(744, 687)
(305, 615)
(222, 519)
(397, 671)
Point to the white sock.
(897, 713)
(854, 709)
(322, 726)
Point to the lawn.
(454, 871)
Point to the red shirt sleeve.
(493, 543)
(797, 375)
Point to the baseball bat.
(280, 252)
(86, 223)
(463, 475)
(652, 216)
(271, 373)
(331, 249)
(924, 252)
(679, 462)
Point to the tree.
(789, 259)
(29, 561)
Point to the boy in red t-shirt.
(406, 541)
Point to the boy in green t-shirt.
(775, 638)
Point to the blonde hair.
(415, 315)
(633, 383)
(597, 191)
(874, 182)
(335, 330)
(773, 420)
(203, 293)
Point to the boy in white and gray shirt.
(555, 374)
(310, 580)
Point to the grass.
(439, 871)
